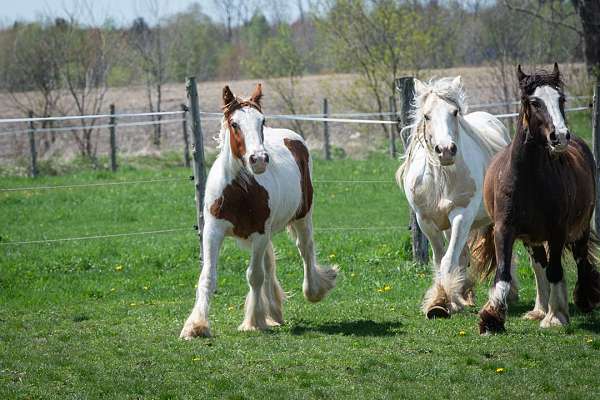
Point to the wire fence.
(358, 118)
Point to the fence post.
(186, 139)
(392, 132)
(197, 151)
(326, 144)
(113, 139)
(34, 170)
(596, 147)
(406, 87)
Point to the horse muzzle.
(258, 162)
(446, 154)
(559, 143)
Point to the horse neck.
(232, 167)
(525, 153)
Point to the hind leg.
(272, 289)
(558, 308)
(468, 292)
(539, 263)
(586, 294)
(317, 281)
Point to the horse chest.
(245, 205)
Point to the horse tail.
(483, 252)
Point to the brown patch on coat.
(300, 153)
(491, 320)
(245, 205)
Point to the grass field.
(101, 318)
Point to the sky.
(122, 11)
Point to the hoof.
(250, 327)
(552, 320)
(491, 321)
(469, 299)
(274, 322)
(534, 315)
(193, 329)
(438, 312)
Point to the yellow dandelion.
(588, 340)
(387, 288)
(145, 287)
(196, 359)
(353, 275)
(461, 333)
(112, 289)
(231, 308)
(132, 304)
(500, 370)
(332, 256)
(380, 290)
(119, 267)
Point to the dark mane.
(540, 78)
(238, 104)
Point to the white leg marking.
(256, 303)
(558, 308)
(197, 323)
(272, 289)
(542, 293)
(317, 281)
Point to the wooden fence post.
(392, 133)
(33, 170)
(326, 144)
(186, 139)
(596, 147)
(197, 151)
(406, 87)
(113, 139)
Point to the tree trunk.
(589, 13)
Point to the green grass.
(101, 318)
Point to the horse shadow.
(361, 327)
(580, 321)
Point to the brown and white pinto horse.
(259, 184)
(541, 189)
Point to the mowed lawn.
(101, 318)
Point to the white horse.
(259, 184)
(442, 176)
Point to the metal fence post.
(392, 133)
(186, 139)
(406, 87)
(113, 139)
(33, 170)
(596, 148)
(326, 144)
(198, 151)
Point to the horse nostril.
(553, 137)
(453, 149)
(266, 158)
(568, 135)
(438, 149)
(252, 159)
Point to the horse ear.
(257, 95)
(420, 87)
(457, 82)
(520, 74)
(228, 96)
(555, 71)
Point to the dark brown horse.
(541, 190)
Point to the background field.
(101, 318)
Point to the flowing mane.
(456, 95)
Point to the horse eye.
(455, 113)
(535, 104)
(234, 125)
(427, 117)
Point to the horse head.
(438, 108)
(543, 108)
(245, 123)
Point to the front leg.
(453, 276)
(558, 307)
(197, 323)
(493, 314)
(539, 263)
(255, 317)
(434, 303)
